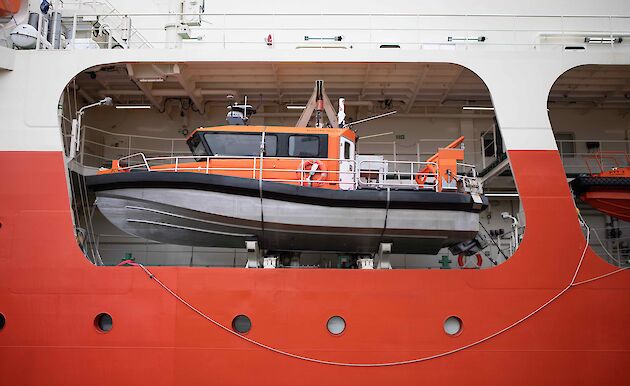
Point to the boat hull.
(213, 215)
(609, 195)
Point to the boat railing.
(366, 174)
(579, 155)
(606, 160)
(397, 174)
(130, 157)
(304, 175)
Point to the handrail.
(132, 135)
(418, 175)
(465, 25)
(416, 170)
(373, 14)
(147, 160)
(131, 144)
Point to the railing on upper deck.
(575, 154)
(350, 30)
(388, 174)
(101, 146)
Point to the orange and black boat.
(297, 189)
(607, 190)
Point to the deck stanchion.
(74, 31)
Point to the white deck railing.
(393, 174)
(351, 30)
(101, 146)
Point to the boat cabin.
(319, 157)
(322, 157)
(279, 142)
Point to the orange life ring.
(421, 177)
(316, 176)
(462, 260)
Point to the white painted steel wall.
(518, 77)
(519, 83)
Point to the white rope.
(396, 363)
(600, 276)
(618, 261)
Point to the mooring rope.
(571, 284)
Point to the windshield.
(196, 145)
(240, 144)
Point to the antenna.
(377, 135)
(371, 118)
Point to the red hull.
(614, 203)
(50, 294)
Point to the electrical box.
(191, 12)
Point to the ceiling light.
(133, 106)
(296, 107)
(477, 108)
(602, 39)
(150, 80)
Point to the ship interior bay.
(156, 106)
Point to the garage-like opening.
(589, 109)
(150, 111)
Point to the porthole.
(103, 322)
(242, 324)
(453, 325)
(2, 321)
(336, 325)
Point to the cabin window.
(303, 146)
(196, 146)
(240, 144)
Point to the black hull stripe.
(584, 184)
(362, 198)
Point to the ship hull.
(50, 295)
(218, 211)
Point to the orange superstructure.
(292, 168)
